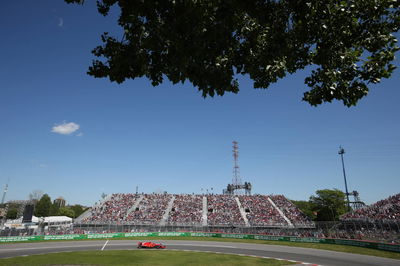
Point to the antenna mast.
(236, 180)
(236, 171)
(4, 193)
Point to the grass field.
(135, 257)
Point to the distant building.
(60, 202)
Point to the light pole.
(341, 152)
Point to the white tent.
(48, 220)
(56, 219)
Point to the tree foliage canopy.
(329, 204)
(66, 211)
(306, 207)
(78, 210)
(348, 44)
(12, 213)
(42, 208)
(54, 210)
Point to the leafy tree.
(329, 204)
(12, 213)
(42, 208)
(306, 207)
(78, 210)
(54, 210)
(348, 44)
(66, 211)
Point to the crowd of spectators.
(150, 209)
(186, 209)
(293, 213)
(383, 210)
(260, 212)
(112, 210)
(223, 210)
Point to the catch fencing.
(386, 232)
(358, 243)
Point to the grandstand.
(271, 215)
(197, 210)
(256, 214)
(387, 210)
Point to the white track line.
(104, 245)
(47, 247)
(193, 245)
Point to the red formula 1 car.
(150, 245)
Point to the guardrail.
(358, 243)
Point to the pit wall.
(358, 243)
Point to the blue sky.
(168, 138)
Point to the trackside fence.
(359, 230)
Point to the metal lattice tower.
(4, 193)
(236, 187)
(236, 171)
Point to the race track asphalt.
(306, 255)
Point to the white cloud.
(65, 128)
(80, 134)
(60, 22)
(37, 163)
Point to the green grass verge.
(135, 257)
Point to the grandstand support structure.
(133, 208)
(84, 215)
(167, 211)
(204, 212)
(242, 212)
(236, 187)
(281, 212)
(357, 203)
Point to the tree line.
(45, 207)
